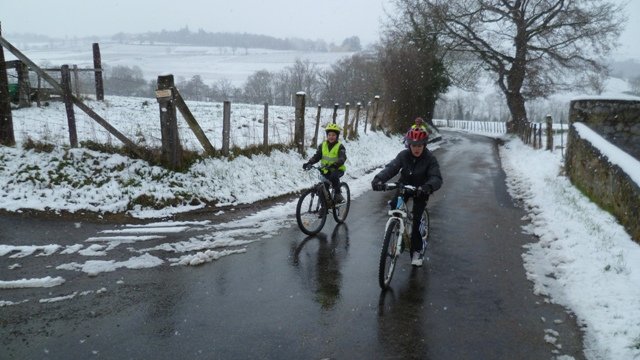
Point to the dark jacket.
(421, 171)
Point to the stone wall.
(603, 182)
(618, 121)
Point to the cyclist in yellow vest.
(332, 156)
(419, 124)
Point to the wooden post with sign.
(171, 148)
(68, 104)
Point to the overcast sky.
(330, 20)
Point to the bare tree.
(531, 46)
(412, 65)
(194, 88)
(303, 76)
(259, 87)
(351, 79)
(222, 90)
(282, 95)
(125, 81)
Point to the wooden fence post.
(192, 122)
(38, 90)
(97, 66)
(335, 112)
(354, 134)
(374, 117)
(226, 127)
(6, 120)
(540, 136)
(346, 121)
(171, 149)
(366, 117)
(549, 133)
(68, 104)
(23, 85)
(76, 81)
(298, 137)
(314, 141)
(265, 128)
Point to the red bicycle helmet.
(417, 137)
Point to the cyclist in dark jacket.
(418, 167)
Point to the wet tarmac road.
(296, 297)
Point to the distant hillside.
(219, 39)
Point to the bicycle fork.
(401, 234)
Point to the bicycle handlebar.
(314, 167)
(408, 190)
(396, 185)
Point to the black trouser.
(334, 177)
(419, 204)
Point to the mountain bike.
(316, 202)
(397, 233)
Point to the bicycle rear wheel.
(388, 256)
(340, 211)
(311, 212)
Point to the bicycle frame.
(401, 213)
(321, 188)
(317, 201)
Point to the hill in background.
(212, 39)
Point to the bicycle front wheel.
(425, 226)
(311, 212)
(340, 211)
(388, 255)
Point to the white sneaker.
(416, 259)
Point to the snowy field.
(139, 120)
(211, 63)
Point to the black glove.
(306, 166)
(377, 185)
(423, 191)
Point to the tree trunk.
(515, 102)
(515, 80)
